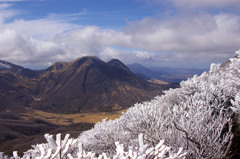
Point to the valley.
(20, 131)
(68, 119)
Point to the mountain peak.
(86, 58)
(118, 63)
(8, 65)
(57, 66)
(4, 65)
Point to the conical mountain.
(90, 85)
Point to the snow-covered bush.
(60, 149)
(198, 116)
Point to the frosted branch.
(58, 150)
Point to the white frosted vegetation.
(198, 116)
(61, 149)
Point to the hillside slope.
(16, 91)
(202, 116)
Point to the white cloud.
(24, 50)
(205, 3)
(205, 36)
(128, 57)
(201, 38)
(196, 4)
(7, 1)
(43, 28)
(142, 54)
(40, 28)
(6, 12)
(204, 33)
(177, 41)
(67, 16)
(90, 40)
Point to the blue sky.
(103, 13)
(175, 33)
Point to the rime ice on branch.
(59, 149)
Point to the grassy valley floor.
(68, 119)
(20, 131)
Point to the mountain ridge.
(83, 85)
(97, 81)
(167, 74)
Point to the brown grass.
(67, 119)
(156, 81)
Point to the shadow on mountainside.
(18, 134)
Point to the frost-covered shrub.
(60, 149)
(198, 116)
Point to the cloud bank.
(180, 40)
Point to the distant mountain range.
(85, 85)
(167, 74)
